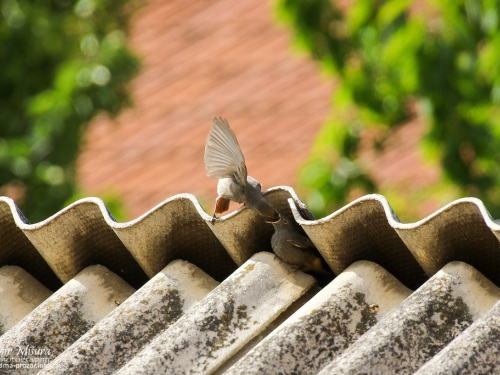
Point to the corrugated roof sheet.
(421, 325)
(328, 324)
(133, 324)
(263, 317)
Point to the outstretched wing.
(223, 157)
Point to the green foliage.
(62, 62)
(443, 56)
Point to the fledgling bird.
(294, 248)
(224, 161)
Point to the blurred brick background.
(224, 58)
(201, 59)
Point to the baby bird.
(224, 160)
(294, 248)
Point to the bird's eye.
(285, 221)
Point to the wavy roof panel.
(263, 312)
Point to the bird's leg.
(215, 211)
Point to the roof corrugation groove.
(20, 293)
(15, 247)
(264, 316)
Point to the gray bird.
(224, 161)
(294, 248)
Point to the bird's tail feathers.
(222, 205)
(316, 265)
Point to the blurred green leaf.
(443, 56)
(62, 63)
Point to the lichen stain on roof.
(230, 316)
(475, 351)
(421, 325)
(328, 324)
(136, 322)
(66, 315)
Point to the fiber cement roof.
(170, 292)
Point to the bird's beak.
(274, 222)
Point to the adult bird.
(224, 161)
